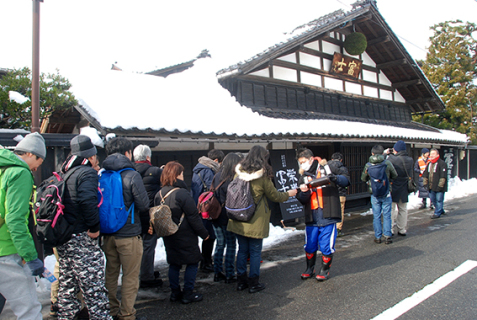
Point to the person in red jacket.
(435, 179)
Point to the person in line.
(382, 204)
(182, 248)
(337, 167)
(123, 249)
(19, 261)
(322, 212)
(202, 176)
(419, 168)
(151, 177)
(435, 179)
(403, 164)
(225, 239)
(256, 169)
(81, 261)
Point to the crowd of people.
(90, 263)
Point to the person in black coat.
(151, 177)
(182, 247)
(403, 164)
(338, 168)
(435, 179)
(225, 239)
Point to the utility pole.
(35, 80)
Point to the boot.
(324, 273)
(190, 296)
(423, 205)
(242, 282)
(176, 295)
(310, 266)
(254, 285)
(207, 248)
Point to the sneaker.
(431, 207)
(377, 240)
(423, 206)
(388, 240)
(189, 296)
(435, 216)
(402, 234)
(340, 233)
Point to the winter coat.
(207, 169)
(221, 195)
(435, 176)
(183, 246)
(402, 163)
(81, 199)
(338, 168)
(262, 186)
(390, 170)
(423, 192)
(133, 191)
(151, 177)
(331, 211)
(16, 188)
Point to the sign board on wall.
(286, 177)
(449, 158)
(346, 66)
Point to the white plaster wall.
(367, 60)
(369, 76)
(353, 87)
(333, 84)
(289, 57)
(326, 65)
(285, 74)
(370, 91)
(384, 80)
(313, 45)
(262, 73)
(310, 61)
(310, 78)
(398, 97)
(386, 94)
(330, 48)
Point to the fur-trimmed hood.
(248, 176)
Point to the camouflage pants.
(82, 268)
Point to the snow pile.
(188, 100)
(17, 97)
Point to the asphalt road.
(366, 278)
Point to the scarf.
(145, 161)
(209, 163)
(74, 161)
(435, 159)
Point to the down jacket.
(183, 246)
(262, 186)
(133, 191)
(338, 168)
(15, 193)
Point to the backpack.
(2, 171)
(52, 228)
(378, 179)
(239, 202)
(208, 205)
(161, 217)
(112, 212)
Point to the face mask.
(305, 166)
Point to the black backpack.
(239, 203)
(52, 228)
(378, 179)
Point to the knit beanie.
(424, 150)
(399, 146)
(33, 143)
(82, 146)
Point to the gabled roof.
(384, 48)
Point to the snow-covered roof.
(194, 102)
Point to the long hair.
(227, 170)
(171, 171)
(256, 159)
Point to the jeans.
(189, 276)
(382, 206)
(249, 247)
(225, 239)
(17, 285)
(149, 242)
(437, 199)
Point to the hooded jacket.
(338, 168)
(259, 226)
(133, 191)
(151, 177)
(390, 171)
(207, 169)
(16, 188)
(183, 246)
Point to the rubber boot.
(242, 282)
(324, 273)
(310, 266)
(254, 285)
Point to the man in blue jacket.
(322, 211)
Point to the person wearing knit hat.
(403, 164)
(419, 167)
(82, 146)
(33, 143)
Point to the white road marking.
(429, 290)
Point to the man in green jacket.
(18, 256)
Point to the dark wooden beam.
(330, 57)
(406, 83)
(420, 100)
(332, 40)
(374, 41)
(68, 119)
(391, 64)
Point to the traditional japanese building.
(305, 91)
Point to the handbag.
(161, 217)
(411, 185)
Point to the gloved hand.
(332, 178)
(36, 267)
